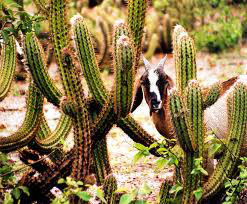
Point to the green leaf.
(215, 148)
(24, 189)
(146, 189)
(138, 156)
(140, 146)
(125, 199)
(8, 199)
(16, 193)
(60, 181)
(198, 193)
(203, 171)
(84, 195)
(100, 195)
(161, 162)
(153, 145)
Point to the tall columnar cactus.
(187, 107)
(7, 66)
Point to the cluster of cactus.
(187, 105)
(91, 118)
(101, 23)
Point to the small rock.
(2, 126)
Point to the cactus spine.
(7, 66)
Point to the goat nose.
(155, 103)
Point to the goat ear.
(162, 63)
(147, 65)
(138, 96)
(170, 82)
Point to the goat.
(155, 85)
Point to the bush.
(220, 35)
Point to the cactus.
(124, 76)
(109, 188)
(30, 124)
(237, 116)
(7, 66)
(166, 34)
(187, 107)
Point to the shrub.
(219, 35)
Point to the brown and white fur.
(155, 84)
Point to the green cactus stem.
(195, 124)
(237, 115)
(44, 128)
(185, 61)
(211, 94)
(7, 66)
(179, 122)
(36, 62)
(101, 161)
(59, 28)
(52, 139)
(136, 20)
(81, 122)
(109, 188)
(87, 59)
(153, 44)
(124, 76)
(166, 34)
(30, 125)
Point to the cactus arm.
(7, 66)
(124, 76)
(36, 63)
(153, 44)
(195, 117)
(52, 139)
(44, 128)
(211, 94)
(109, 188)
(179, 122)
(237, 128)
(136, 20)
(184, 55)
(30, 125)
(87, 59)
(101, 161)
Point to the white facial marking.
(153, 78)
